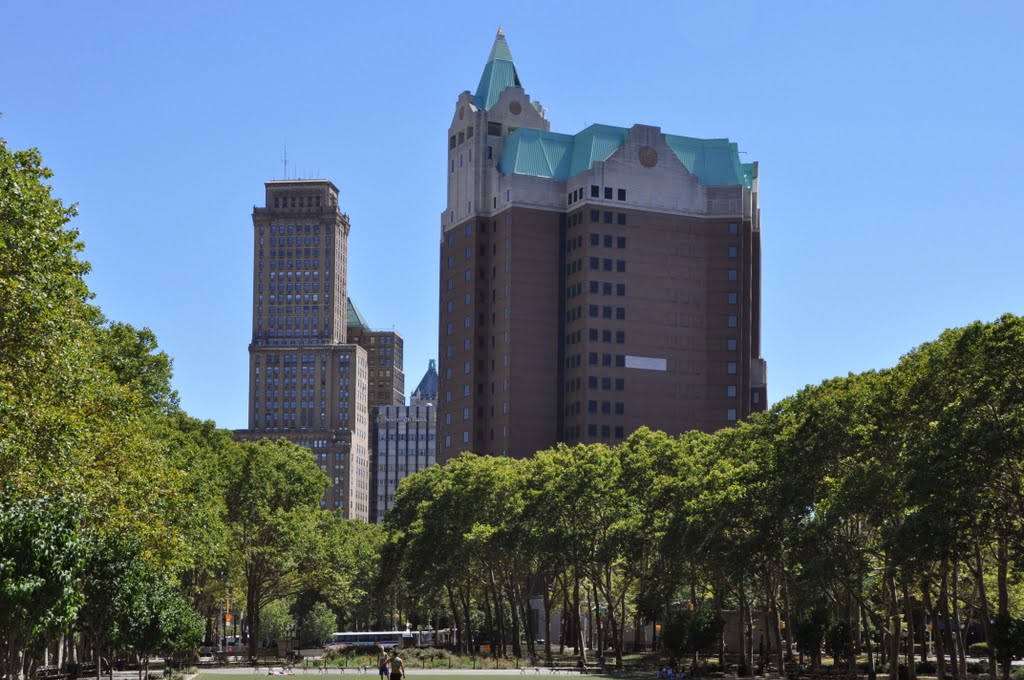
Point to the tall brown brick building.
(309, 381)
(591, 283)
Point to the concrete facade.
(405, 442)
(578, 309)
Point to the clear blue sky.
(889, 138)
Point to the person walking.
(397, 666)
(382, 662)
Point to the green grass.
(434, 675)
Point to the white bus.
(373, 638)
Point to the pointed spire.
(426, 392)
(499, 73)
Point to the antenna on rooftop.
(284, 160)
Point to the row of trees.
(854, 513)
(125, 524)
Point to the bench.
(52, 673)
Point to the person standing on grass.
(397, 666)
(382, 662)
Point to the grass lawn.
(435, 674)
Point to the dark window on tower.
(608, 193)
(595, 191)
(595, 239)
(595, 215)
(622, 194)
(622, 218)
(620, 242)
(607, 217)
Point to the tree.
(273, 508)
(319, 624)
(277, 620)
(41, 560)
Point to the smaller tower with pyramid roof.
(425, 393)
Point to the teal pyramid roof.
(355, 319)
(499, 73)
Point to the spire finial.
(501, 32)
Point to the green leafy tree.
(273, 508)
(42, 555)
(319, 624)
(277, 620)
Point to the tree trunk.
(986, 614)
(866, 632)
(721, 617)
(741, 621)
(787, 618)
(1002, 561)
(547, 623)
(580, 649)
(958, 640)
(459, 630)
(936, 631)
(894, 629)
(946, 633)
(908, 612)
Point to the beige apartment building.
(591, 283)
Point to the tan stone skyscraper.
(307, 383)
(591, 283)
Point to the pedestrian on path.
(397, 666)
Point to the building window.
(595, 215)
(730, 414)
(607, 216)
(622, 194)
(621, 218)
(732, 297)
(620, 289)
(732, 321)
(730, 368)
(733, 251)
(595, 239)
(734, 229)
(595, 191)
(730, 344)
(620, 265)
(733, 275)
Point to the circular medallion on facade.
(515, 108)
(648, 157)
(462, 112)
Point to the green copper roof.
(355, 319)
(559, 156)
(715, 161)
(499, 73)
